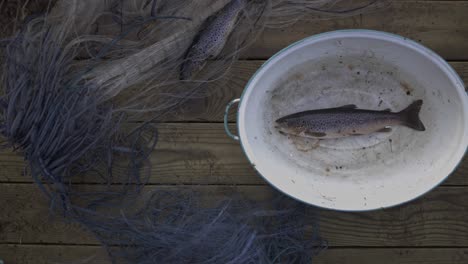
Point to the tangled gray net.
(74, 76)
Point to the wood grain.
(438, 219)
(41, 254)
(191, 154)
(439, 25)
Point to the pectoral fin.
(317, 134)
(385, 130)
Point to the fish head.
(291, 126)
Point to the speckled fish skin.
(347, 120)
(211, 39)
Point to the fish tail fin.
(410, 116)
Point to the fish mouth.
(281, 124)
(282, 130)
(282, 127)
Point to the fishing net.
(175, 227)
(84, 85)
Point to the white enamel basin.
(373, 70)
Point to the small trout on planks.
(347, 120)
(211, 39)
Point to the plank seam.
(330, 247)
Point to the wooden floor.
(430, 230)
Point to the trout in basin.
(348, 120)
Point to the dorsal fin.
(349, 106)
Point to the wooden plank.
(393, 256)
(212, 108)
(40, 254)
(440, 25)
(191, 154)
(462, 69)
(438, 219)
